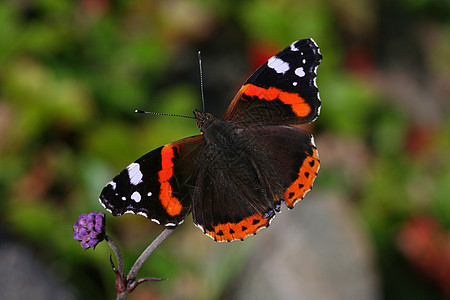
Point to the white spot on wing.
(142, 213)
(201, 228)
(293, 48)
(149, 194)
(112, 184)
(279, 65)
(299, 72)
(313, 142)
(318, 49)
(134, 173)
(304, 61)
(136, 197)
(100, 200)
(124, 198)
(294, 83)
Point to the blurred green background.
(72, 73)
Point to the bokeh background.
(375, 226)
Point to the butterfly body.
(238, 172)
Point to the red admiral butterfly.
(235, 175)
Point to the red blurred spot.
(96, 7)
(426, 244)
(358, 59)
(260, 52)
(417, 140)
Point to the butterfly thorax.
(222, 137)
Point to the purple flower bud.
(93, 242)
(82, 231)
(99, 217)
(91, 216)
(81, 221)
(98, 227)
(89, 229)
(90, 225)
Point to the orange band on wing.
(237, 231)
(170, 203)
(306, 175)
(298, 104)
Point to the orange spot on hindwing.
(238, 231)
(305, 178)
(299, 105)
(170, 203)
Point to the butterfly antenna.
(199, 54)
(161, 114)
(201, 89)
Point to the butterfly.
(237, 173)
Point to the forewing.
(157, 185)
(283, 91)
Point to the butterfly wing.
(236, 197)
(282, 91)
(293, 157)
(157, 185)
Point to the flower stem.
(118, 254)
(121, 296)
(140, 261)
